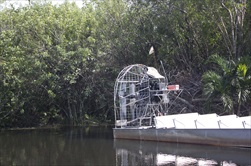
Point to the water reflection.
(129, 152)
(96, 146)
(67, 146)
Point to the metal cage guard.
(140, 93)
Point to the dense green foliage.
(58, 63)
(231, 82)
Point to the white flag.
(151, 51)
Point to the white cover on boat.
(176, 121)
(154, 73)
(229, 121)
(207, 121)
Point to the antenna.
(166, 80)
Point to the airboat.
(144, 104)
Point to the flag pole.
(152, 52)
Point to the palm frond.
(227, 103)
(212, 83)
(221, 62)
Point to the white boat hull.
(217, 137)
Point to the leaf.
(51, 94)
(242, 70)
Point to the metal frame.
(138, 97)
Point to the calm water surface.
(96, 146)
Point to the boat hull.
(217, 137)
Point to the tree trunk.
(70, 111)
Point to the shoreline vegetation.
(58, 63)
(58, 126)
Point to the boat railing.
(133, 102)
(154, 108)
(196, 121)
(246, 124)
(121, 123)
(221, 123)
(140, 119)
(175, 120)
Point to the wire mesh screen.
(140, 93)
(131, 94)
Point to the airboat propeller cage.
(140, 92)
